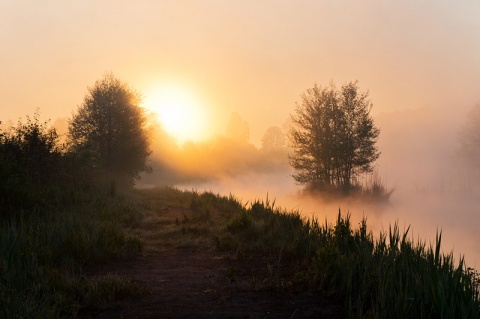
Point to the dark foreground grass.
(389, 276)
(42, 253)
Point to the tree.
(273, 139)
(109, 128)
(333, 137)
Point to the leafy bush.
(29, 155)
(55, 217)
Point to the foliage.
(42, 254)
(333, 137)
(390, 276)
(109, 129)
(37, 173)
(29, 154)
(53, 221)
(60, 224)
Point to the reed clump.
(384, 276)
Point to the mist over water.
(433, 190)
(453, 212)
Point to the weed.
(42, 254)
(388, 277)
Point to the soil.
(202, 283)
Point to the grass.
(387, 276)
(43, 254)
(368, 188)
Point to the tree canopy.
(333, 137)
(110, 129)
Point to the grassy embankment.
(42, 254)
(390, 276)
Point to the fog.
(418, 59)
(433, 189)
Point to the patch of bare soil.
(199, 283)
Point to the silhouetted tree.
(273, 139)
(333, 137)
(109, 129)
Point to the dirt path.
(199, 283)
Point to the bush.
(36, 173)
(29, 157)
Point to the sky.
(419, 60)
(254, 58)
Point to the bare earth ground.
(193, 282)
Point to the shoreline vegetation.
(65, 211)
(44, 252)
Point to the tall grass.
(42, 254)
(394, 277)
(388, 276)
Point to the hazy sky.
(420, 60)
(250, 57)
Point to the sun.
(179, 112)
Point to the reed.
(384, 276)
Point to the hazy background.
(420, 60)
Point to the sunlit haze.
(198, 62)
(179, 112)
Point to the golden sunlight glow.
(179, 113)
